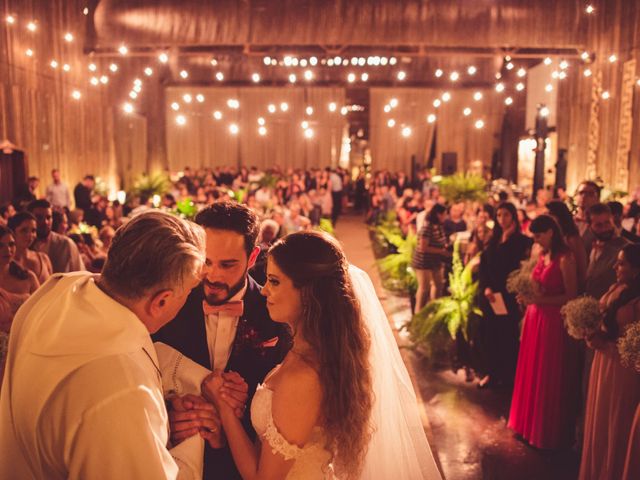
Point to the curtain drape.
(207, 141)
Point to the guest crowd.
(564, 391)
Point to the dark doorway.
(13, 174)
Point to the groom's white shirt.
(82, 394)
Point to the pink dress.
(545, 393)
(632, 464)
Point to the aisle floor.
(466, 427)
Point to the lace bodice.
(311, 461)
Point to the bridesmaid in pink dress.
(544, 403)
(614, 391)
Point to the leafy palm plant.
(149, 185)
(461, 187)
(395, 268)
(326, 225)
(450, 314)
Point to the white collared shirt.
(221, 332)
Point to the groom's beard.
(226, 292)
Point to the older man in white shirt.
(82, 394)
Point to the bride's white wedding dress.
(312, 462)
(398, 449)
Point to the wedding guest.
(588, 194)
(57, 193)
(524, 220)
(617, 210)
(106, 235)
(82, 192)
(430, 256)
(23, 225)
(266, 237)
(498, 335)
(59, 222)
(547, 370)
(6, 212)
(62, 252)
(82, 396)
(562, 215)
(478, 243)
(225, 325)
(614, 391)
(26, 193)
(454, 222)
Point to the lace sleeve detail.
(278, 443)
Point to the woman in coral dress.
(544, 403)
(614, 390)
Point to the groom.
(224, 325)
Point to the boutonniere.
(248, 338)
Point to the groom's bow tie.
(233, 309)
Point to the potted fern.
(442, 318)
(463, 187)
(395, 268)
(149, 185)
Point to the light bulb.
(181, 120)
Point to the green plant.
(186, 209)
(149, 185)
(450, 314)
(461, 187)
(386, 231)
(326, 225)
(269, 180)
(100, 187)
(395, 268)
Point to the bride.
(341, 403)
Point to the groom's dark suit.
(253, 355)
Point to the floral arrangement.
(519, 282)
(581, 317)
(629, 347)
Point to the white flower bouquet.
(582, 317)
(629, 347)
(519, 282)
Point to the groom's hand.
(191, 414)
(235, 392)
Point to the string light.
(163, 57)
(387, 108)
(612, 58)
(181, 120)
(292, 78)
(431, 118)
(148, 71)
(261, 121)
(308, 133)
(510, 66)
(521, 72)
(66, 67)
(564, 65)
(587, 72)
(271, 108)
(364, 77)
(76, 95)
(284, 106)
(344, 111)
(233, 103)
(589, 9)
(113, 67)
(133, 95)
(508, 101)
(128, 108)
(175, 106)
(200, 98)
(472, 70)
(233, 129)
(477, 96)
(104, 79)
(68, 37)
(406, 132)
(214, 62)
(255, 77)
(262, 131)
(549, 87)
(606, 95)
(308, 75)
(446, 96)
(31, 26)
(547, 61)
(391, 123)
(332, 107)
(393, 61)
(54, 64)
(184, 74)
(267, 60)
(439, 73)
(520, 86)
(555, 74)
(384, 61)
(437, 102)
(479, 124)
(402, 75)
(303, 62)
(85, 11)
(92, 67)
(304, 124)
(562, 75)
(454, 76)
(28, 52)
(10, 19)
(309, 110)
(466, 112)
(313, 61)
(393, 102)
(544, 112)
(217, 115)
(187, 98)
(219, 76)
(94, 81)
(123, 50)
(585, 56)
(500, 87)
(351, 77)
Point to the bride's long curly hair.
(332, 325)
